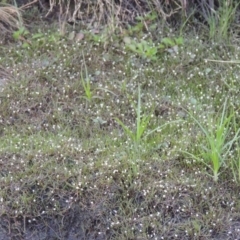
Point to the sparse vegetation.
(101, 139)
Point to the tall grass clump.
(142, 122)
(217, 141)
(10, 18)
(221, 19)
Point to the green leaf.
(168, 42)
(126, 129)
(37, 35)
(161, 46)
(25, 45)
(179, 41)
(132, 47)
(20, 32)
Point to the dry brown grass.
(122, 11)
(108, 11)
(10, 18)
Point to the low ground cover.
(104, 139)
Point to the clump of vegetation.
(100, 141)
(10, 19)
(218, 142)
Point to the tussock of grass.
(9, 18)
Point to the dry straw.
(10, 18)
(114, 11)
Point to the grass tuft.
(217, 143)
(10, 18)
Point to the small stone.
(79, 37)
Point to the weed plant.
(217, 143)
(142, 122)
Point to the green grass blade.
(126, 129)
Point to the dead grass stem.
(10, 18)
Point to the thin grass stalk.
(86, 81)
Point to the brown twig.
(28, 4)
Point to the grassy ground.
(101, 140)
